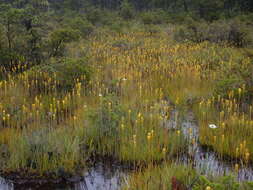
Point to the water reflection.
(205, 162)
(100, 177)
(4, 185)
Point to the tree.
(126, 10)
(10, 20)
(58, 40)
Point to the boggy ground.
(119, 111)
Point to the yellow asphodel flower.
(208, 188)
(247, 154)
(214, 138)
(236, 167)
(164, 150)
(149, 136)
(239, 91)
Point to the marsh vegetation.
(166, 97)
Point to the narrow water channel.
(204, 161)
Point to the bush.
(224, 85)
(239, 34)
(58, 40)
(153, 29)
(154, 17)
(65, 71)
(94, 15)
(234, 32)
(82, 25)
(105, 125)
(100, 17)
(127, 10)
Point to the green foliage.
(58, 40)
(94, 15)
(160, 177)
(127, 10)
(82, 25)
(226, 84)
(224, 183)
(45, 151)
(105, 125)
(232, 32)
(154, 17)
(153, 29)
(66, 72)
(69, 70)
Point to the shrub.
(239, 34)
(127, 10)
(94, 15)
(104, 131)
(153, 29)
(154, 17)
(233, 33)
(82, 25)
(65, 71)
(58, 40)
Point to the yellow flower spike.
(222, 113)
(237, 152)
(164, 150)
(193, 141)
(214, 138)
(237, 168)
(247, 154)
(208, 188)
(244, 143)
(223, 125)
(190, 131)
(241, 147)
(239, 92)
(177, 101)
(178, 132)
(223, 137)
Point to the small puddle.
(104, 177)
(100, 177)
(204, 161)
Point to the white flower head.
(212, 126)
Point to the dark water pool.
(100, 177)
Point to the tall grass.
(138, 79)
